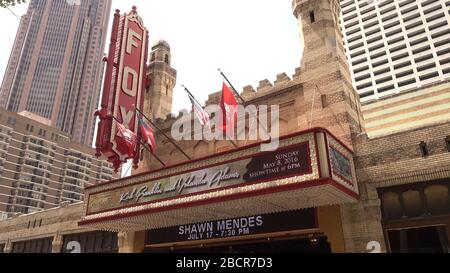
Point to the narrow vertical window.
(323, 98)
(447, 141)
(312, 17)
(424, 149)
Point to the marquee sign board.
(285, 162)
(309, 170)
(236, 227)
(125, 80)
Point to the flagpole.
(164, 134)
(232, 87)
(128, 170)
(243, 101)
(155, 156)
(334, 114)
(185, 88)
(234, 144)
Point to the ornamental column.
(131, 242)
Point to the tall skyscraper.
(394, 46)
(55, 69)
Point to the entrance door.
(419, 240)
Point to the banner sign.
(341, 165)
(243, 226)
(125, 80)
(286, 162)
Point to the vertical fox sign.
(125, 80)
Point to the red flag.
(229, 107)
(129, 137)
(147, 134)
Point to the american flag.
(147, 134)
(201, 114)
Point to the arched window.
(438, 199)
(166, 59)
(391, 205)
(153, 57)
(413, 204)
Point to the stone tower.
(324, 72)
(337, 107)
(162, 79)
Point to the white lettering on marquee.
(127, 71)
(127, 116)
(131, 42)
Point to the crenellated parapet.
(264, 93)
(249, 93)
(264, 88)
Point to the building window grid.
(430, 9)
(31, 192)
(429, 33)
(365, 45)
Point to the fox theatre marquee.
(236, 193)
(125, 80)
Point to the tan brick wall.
(387, 161)
(53, 223)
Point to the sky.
(250, 40)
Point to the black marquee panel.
(236, 227)
(92, 242)
(34, 246)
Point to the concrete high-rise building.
(55, 69)
(41, 168)
(394, 46)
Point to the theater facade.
(329, 187)
(235, 197)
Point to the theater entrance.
(285, 232)
(301, 244)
